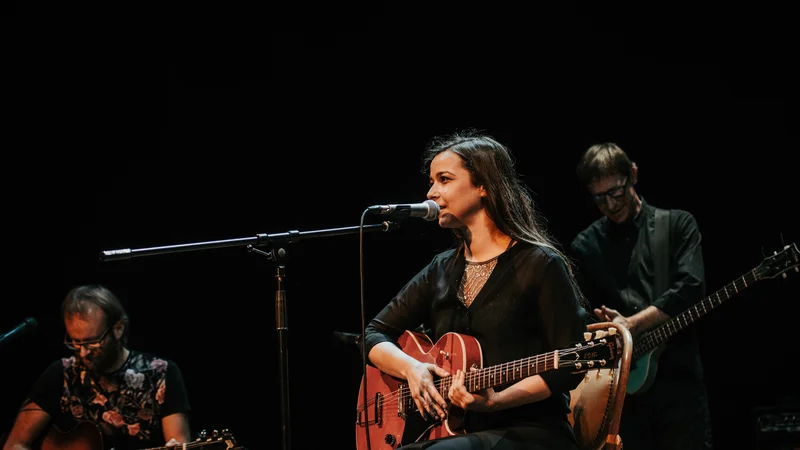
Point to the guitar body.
(643, 371)
(83, 436)
(387, 416)
(391, 418)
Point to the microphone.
(427, 210)
(26, 326)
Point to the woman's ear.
(634, 173)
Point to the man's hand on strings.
(607, 314)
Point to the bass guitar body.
(643, 371)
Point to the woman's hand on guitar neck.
(477, 401)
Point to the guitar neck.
(504, 373)
(665, 331)
(206, 445)
(87, 435)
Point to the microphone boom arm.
(260, 239)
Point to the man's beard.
(104, 361)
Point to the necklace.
(475, 276)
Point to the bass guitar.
(649, 346)
(389, 416)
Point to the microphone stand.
(281, 310)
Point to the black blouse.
(527, 307)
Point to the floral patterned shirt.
(127, 405)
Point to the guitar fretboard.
(507, 372)
(578, 357)
(492, 376)
(657, 336)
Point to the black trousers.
(514, 438)
(670, 415)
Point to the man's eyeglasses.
(91, 344)
(615, 192)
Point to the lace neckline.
(478, 263)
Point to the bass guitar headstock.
(779, 263)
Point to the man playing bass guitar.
(639, 265)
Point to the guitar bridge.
(377, 413)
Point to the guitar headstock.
(779, 263)
(596, 351)
(216, 440)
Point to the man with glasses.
(639, 266)
(126, 399)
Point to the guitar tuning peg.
(601, 333)
(612, 331)
(202, 434)
(587, 336)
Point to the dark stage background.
(227, 129)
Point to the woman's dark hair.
(509, 201)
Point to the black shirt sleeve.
(406, 311)
(176, 399)
(46, 391)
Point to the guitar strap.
(660, 248)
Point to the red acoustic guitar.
(87, 436)
(391, 419)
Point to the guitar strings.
(472, 379)
(682, 320)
